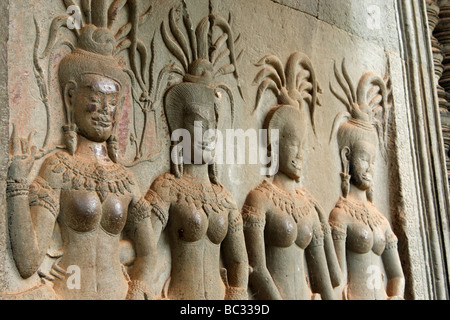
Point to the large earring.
(269, 155)
(176, 167)
(345, 176)
(345, 184)
(113, 148)
(369, 194)
(71, 137)
(213, 173)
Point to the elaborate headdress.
(366, 117)
(98, 41)
(286, 120)
(296, 89)
(295, 85)
(201, 61)
(367, 105)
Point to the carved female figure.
(83, 190)
(204, 226)
(288, 239)
(364, 241)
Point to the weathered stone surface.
(4, 127)
(169, 82)
(308, 6)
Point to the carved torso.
(82, 211)
(289, 219)
(199, 219)
(92, 195)
(367, 234)
(197, 211)
(365, 228)
(92, 211)
(290, 224)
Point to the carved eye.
(365, 160)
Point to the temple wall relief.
(96, 96)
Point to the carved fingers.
(22, 154)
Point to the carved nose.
(104, 108)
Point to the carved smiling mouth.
(102, 121)
(367, 177)
(297, 164)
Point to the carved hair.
(200, 61)
(95, 51)
(363, 104)
(359, 123)
(296, 89)
(295, 84)
(178, 101)
(352, 131)
(93, 55)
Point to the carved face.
(291, 151)
(361, 164)
(200, 122)
(94, 102)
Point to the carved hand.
(22, 156)
(137, 291)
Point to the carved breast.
(82, 211)
(197, 211)
(282, 231)
(93, 194)
(362, 239)
(305, 234)
(365, 227)
(189, 223)
(192, 224)
(218, 226)
(289, 221)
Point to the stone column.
(442, 35)
(4, 125)
(438, 55)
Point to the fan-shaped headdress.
(367, 114)
(201, 60)
(367, 105)
(295, 84)
(98, 41)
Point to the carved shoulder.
(225, 198)
(254, 209)
(338, 222)
(162, 186)
(258, 198)
(133, 184)
(338, 215)
(51, 172)
(45, 189)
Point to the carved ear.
(345, 158)
(118, 114)
(69, 90)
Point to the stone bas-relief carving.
(287, 235)
(203, 224)
(126, 224)
(364, 241)
(83, 190)
(438, 12)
